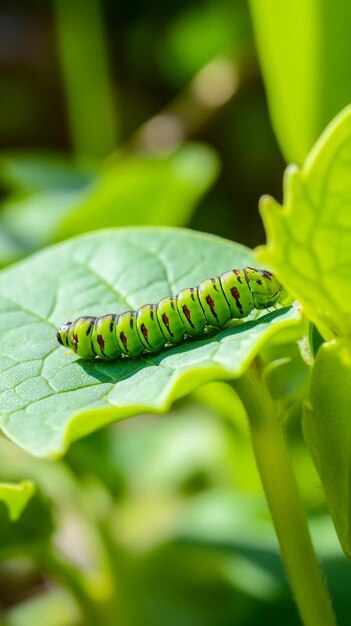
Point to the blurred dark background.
(151, 53)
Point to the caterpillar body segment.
(127, 334)
(80, 334)
(104, 340)
(149, 330)
(237, 293)
(169, 320)
(191, 312)
(215, 301)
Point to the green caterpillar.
(214, 302)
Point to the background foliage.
(117, 114)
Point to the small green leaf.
(327, 429)
(49, 398)
(16, 497)
(25, 517)
(309, 239)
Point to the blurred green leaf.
(158, 190)
(239, 525)
(49, 399)
(32, 220)
(327, 429)
(287, 378)
(309, 238)
(162, 190)
(304, 49)
(30, 172)
(186, 451)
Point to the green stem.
(300, 560)
(86, 77)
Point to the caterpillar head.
(265, 288)
(62, 334)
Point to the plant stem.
(86, 77)
(300, 560)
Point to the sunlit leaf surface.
(48, 397)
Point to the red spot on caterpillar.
(166, 323)
(145, 333)
(75, 341)
(123, 339)
(236, 295)
(187, 315)
(101, 342)
(211, 303)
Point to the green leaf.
(157, 190)
(327, 429)
(16, 497)
(25, 517)
(304, 50)
(49, 398)
(160, 190)
(33, 219)
(309, 240)
(30, 172)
